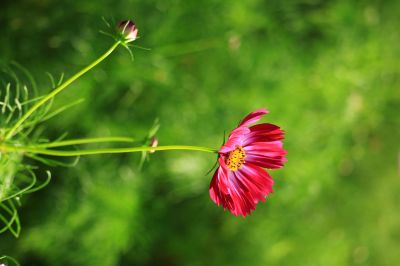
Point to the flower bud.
(128, 30)
(153, 143)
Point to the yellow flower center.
(235, 158)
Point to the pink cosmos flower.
(240, 181)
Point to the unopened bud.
(153, 143)
(128, 30)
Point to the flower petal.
(253, 117)
(235, 139)
(263, 132)
(214, 190)
(267, 149)
(258, 181)
(243, 202)
(266, 162)
(220, 191)
(240, 191)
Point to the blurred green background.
(328, 71)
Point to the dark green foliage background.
(327, 70)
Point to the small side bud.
(128, 30)
(153, 143)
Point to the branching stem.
(84, 141)
(57, 90)
(64, 153)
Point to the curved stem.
(58, 90)
(31, 149)
(83, 141)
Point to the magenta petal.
(266, 128)
(256, 191)
(263, 133)
(265, 145)
(266, 149)
(253, 117)
(243, 202)
(266, 162)
(242, 190)
(251, 138)
(235, 139)
(219, 197)
(257, 180)
(223, 176)
(227, 191)
(220, 192)
(214, 190)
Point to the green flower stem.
(33, 149)
(84, 141)
(58, 90)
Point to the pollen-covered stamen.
(235, 158)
